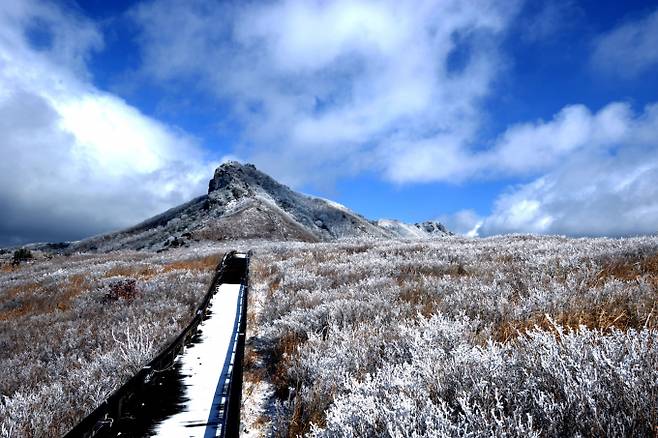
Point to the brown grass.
(324, 256)
(417, 295)
(251, 364)
(38, 299)
(280, 357)
(24, 289)
(200, 264)
(630, 268)
(306, 413)
(8, 267)
(614, 314)
(140, 272)
(412, 271)
(501, 285)
(275, 369)
(17, 313)
(146, 272)
(74, 287)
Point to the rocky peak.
(433, 227)
(231, 174)
(234, 180)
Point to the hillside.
(245, 203)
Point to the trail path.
(207, 367)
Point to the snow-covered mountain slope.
(414, 231)
(245, 203)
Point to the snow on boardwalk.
(206, 367)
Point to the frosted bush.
(134, 349)
(574, 384)
(507, 336)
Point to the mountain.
(245, 203)
(421, 230)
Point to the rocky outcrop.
(433, 228)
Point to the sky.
(515, 116)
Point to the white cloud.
(338, 86)
(40, 29)
(77, 160)
(629, 49)
(607, 185)
(595, 173)
(530, 147)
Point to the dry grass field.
(72, 329)
(506, 336)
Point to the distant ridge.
(245, 203)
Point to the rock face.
(422, 230)
(433, 228)
(244, 203)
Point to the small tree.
(21, 255)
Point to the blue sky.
(494, 117)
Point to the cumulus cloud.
(629, 49)
(607, 186)
(531, 147)
(593, 173)
(76, 160)
(338, 86)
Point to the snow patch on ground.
(336, 205)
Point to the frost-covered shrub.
(516, 336)
(579, 383)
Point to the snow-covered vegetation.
(72, 329)
(508, 336)
(515, 336)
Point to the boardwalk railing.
(232, 425)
